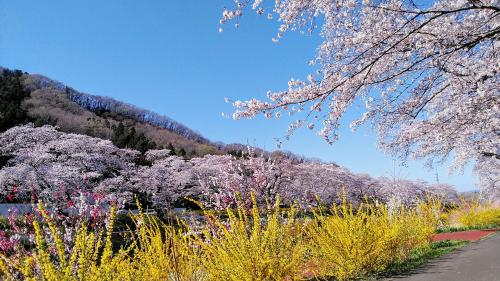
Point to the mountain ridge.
(94, 102)
(55, 103)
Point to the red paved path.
(470, 235)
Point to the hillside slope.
(45, 101)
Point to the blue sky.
(168, 56)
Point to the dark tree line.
(180, 152)
(12, 94)
(127, 137)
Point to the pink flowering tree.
(161, 185)
(410, 192)
(53, 166)
(328, 182)
(427, 74)
(81, 175)
(223, 178)
(489, 179)
(165, 182)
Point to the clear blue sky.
(168, 56)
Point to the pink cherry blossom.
(427, 73)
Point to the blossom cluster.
(52, 166)
(427, 73)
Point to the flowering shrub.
(162, 252)
(16, 233)
(238, 244)
(473, 213)
(252, 247)
(90, 258)
(351, 242)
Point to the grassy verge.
(465, 228)
(421, 257)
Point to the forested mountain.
(34, 98)
(101, 105)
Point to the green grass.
(465, 228)
(421, 257)
(4, 223)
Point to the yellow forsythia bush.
(352, 242)
(249, 245)
(472, 213)
(91, 257)
(162, 252)
(434, 211)
(252, 248)
(156, 251)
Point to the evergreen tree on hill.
(12, 93)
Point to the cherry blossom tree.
(48, 164)
(166, 181)
(328, 182)
(410, 192)
(489, 179)
(223, 178)
(427, 74)
(81, 175)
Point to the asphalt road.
(478, 261)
